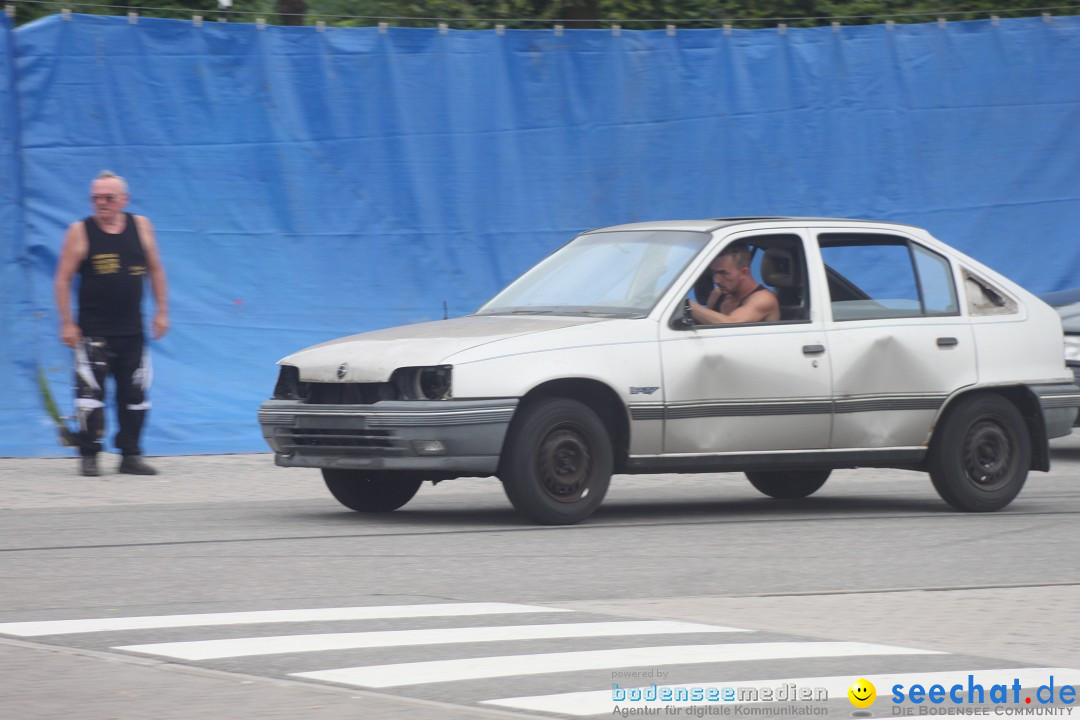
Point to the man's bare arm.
(757, 308)
(72, 254)
(156, 270)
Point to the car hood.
(373, 356)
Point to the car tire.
(369, 492)
(980, 456)
(788, 484)
(557, 462)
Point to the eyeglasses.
(105, 197)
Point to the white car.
(892, 350)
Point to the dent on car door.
(751, 387)
(899, 343)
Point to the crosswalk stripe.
(601, 702)
(488, 667)
(239, 647)
(64, 627)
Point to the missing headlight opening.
(435, 382)
(289, 386)
(423, 383)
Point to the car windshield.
(606, 274)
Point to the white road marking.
(64, 627)
(239, 647)
(601, 702)
(488, 667)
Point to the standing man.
(112, 251)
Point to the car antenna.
(444, 313)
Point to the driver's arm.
(757, 307)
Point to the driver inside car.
(737, 297)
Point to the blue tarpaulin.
(308, 184)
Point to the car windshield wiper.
(601, 313)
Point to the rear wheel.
(980, 456)
(557, 463)
(369, 492)
(788, 484)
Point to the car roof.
(710, 224)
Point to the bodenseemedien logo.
(712, 693)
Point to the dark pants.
(125, 358)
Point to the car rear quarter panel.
(1023, 348)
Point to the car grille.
(289, 387)
(374, 443)
(349, 393)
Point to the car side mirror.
(684, 320)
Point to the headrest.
(778, 268)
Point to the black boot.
(88, 466)
(134, 465)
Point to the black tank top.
(720, 300)
(111, 288)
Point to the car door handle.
(813, 349)
(947, 341)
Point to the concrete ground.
(44, 681)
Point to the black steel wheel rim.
(989, 453)
(564, 464)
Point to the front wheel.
(979, 458)
(557, 462)
(369, 492)
(788, 484)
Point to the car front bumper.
(447, 437)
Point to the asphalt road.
(875, 557)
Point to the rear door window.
(875, 276)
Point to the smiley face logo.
(862, 693)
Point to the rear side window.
(884, 276)
(985, 298)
